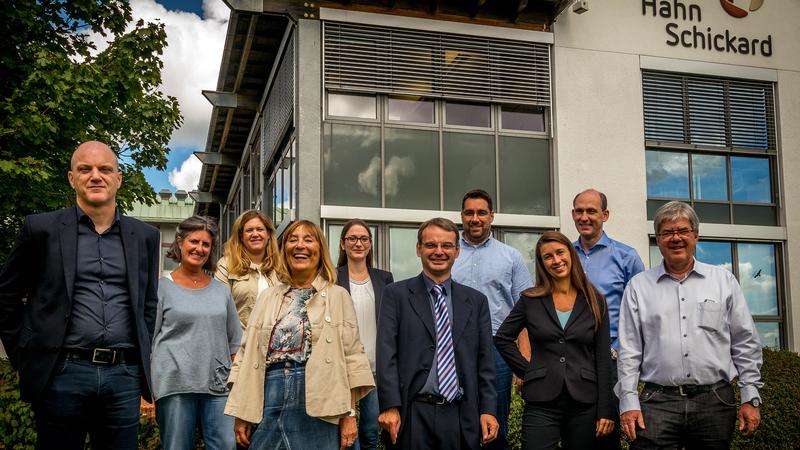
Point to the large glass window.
(755, 265)
(423, 153)
(711, 142)
(403, 260)
(525, 243)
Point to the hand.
(489, 428)
(148, 410)
(749, 418)
(241, 429)
(389, 420)
(518, 382)
(604, 427)
(348, 431)
(629, 420)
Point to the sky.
(196, 36)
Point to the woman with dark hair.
(567, 384)
(301, 367)
(365, 285)
(249, 259)
(197, 333)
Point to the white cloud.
(191, 61)
(368, 178)
(188, 175)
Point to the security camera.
(580, 6)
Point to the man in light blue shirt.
(499, 272)
(609, 264)
(685, 331)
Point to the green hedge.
(780, 413)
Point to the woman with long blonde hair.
(249, 260)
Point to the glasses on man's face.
(353, 239)
(680, 232)
(447, 246)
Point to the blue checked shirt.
(610, 265)
(496, 270)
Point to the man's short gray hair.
(673, 211)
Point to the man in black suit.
(434, 353)
(77, 310)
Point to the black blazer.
(380, 278)
(407, 347)
(41, 268)
(576, 356)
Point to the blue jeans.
(285, 424)
(82, 398)
(368, 428)
(702, 421)
(177, 416)
(502, 383)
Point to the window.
(425, 154)
(711, 142)
(756, 266)
(282, 190)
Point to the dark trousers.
(563, 419)
(703, 421)
(611, 441)
(502, 382)
(82, 398)
(433, 427)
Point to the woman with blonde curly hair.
(249, 260)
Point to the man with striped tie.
(434, 353)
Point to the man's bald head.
(92, 146)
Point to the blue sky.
(191, 64)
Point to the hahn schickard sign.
(685, 27)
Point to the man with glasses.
(499, 272)
(609, 264)
(685, 331)
(434, 353)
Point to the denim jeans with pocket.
(177, 417)
(703, 421)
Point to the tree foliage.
(58, 90)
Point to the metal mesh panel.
(709, 111)
(413, 62)
(279, 108)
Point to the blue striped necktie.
(445, 356)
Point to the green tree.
(58, 90)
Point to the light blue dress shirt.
(610, 265)
(692, 331)
(496, 270)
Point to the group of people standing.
(273, 346)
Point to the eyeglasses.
(353, 239)
(433, 245)
(681, 233)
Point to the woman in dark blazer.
(365, 285)
(567, 384)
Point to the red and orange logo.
(737, 11)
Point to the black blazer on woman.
(575, 357)
(380, 278)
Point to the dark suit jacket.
(407, 347)
(379, 278)
(575, 356)
(41, 268)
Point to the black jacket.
(576, 356)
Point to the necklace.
(194, 281)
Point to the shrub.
(780, 412)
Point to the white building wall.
(598, 118)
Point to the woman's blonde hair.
(325, 267)
(235, 252)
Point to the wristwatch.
(352, 413)
(755, 403)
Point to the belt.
(433, 399)
(103, 356)
(289, 364)
(687, 390)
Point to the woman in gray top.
(197, 333)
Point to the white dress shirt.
(692, 331)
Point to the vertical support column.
(309, 119)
